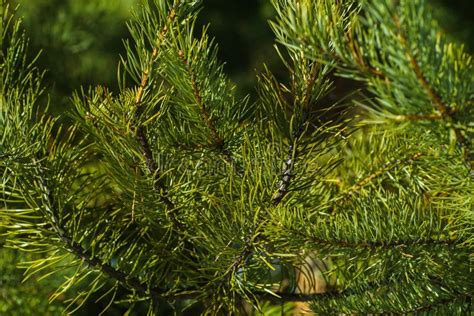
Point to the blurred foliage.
(81, 42)
(28, 298)
(457, 19)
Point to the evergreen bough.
(183, 193)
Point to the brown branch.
(310, 86)
(79, 251)
(426, 308)
(361, 63)
(219, 141)
(158, 183)
(445, 110)
(287, 170)
(129, 282)
(285, 178)
(247, 251)
(279, 297)
(382, 244)
(290, 160)
(204, 113)
(374, 244)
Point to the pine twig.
(158, 183)
(445, 110)
(79, 251)
(356, 54)
(430, 307)
(218, 140)
(385, 168)
(285, 178)
(287, 174)
(354, 189)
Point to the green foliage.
(187, 195)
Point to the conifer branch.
(285, 178)
(445, 110)
(385, 168)
(357, 55)
(218, 140)
(290, 160)
(158, 183)
(442, 108)
(365, 290)
(129, 282)
(287, 171)
(436, 304)
(388, 245)
(354, 189)
(154, 55)
(281, 297)
(310, 86)
(373, 245)
(381, 244)
(79, 251)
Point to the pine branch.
(154, 55)
(390, 165)
(381, 297)
(445, 110)
(381, 244)
(285, 181)
(363, 65)
(372, 245)
(284, 184)
(392, 244)
(80, 252)
(437, 304)
(151, 164)
(129, 282)
(218, 141)
(290, 161)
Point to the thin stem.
(292, 153)
(445, 110)
(218, 140)
(356, 54)
(158, 183)
(383, 245)
(285, 178)
(79, 251)
(426, 308)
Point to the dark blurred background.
(81, 41)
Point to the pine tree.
(184, 194)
